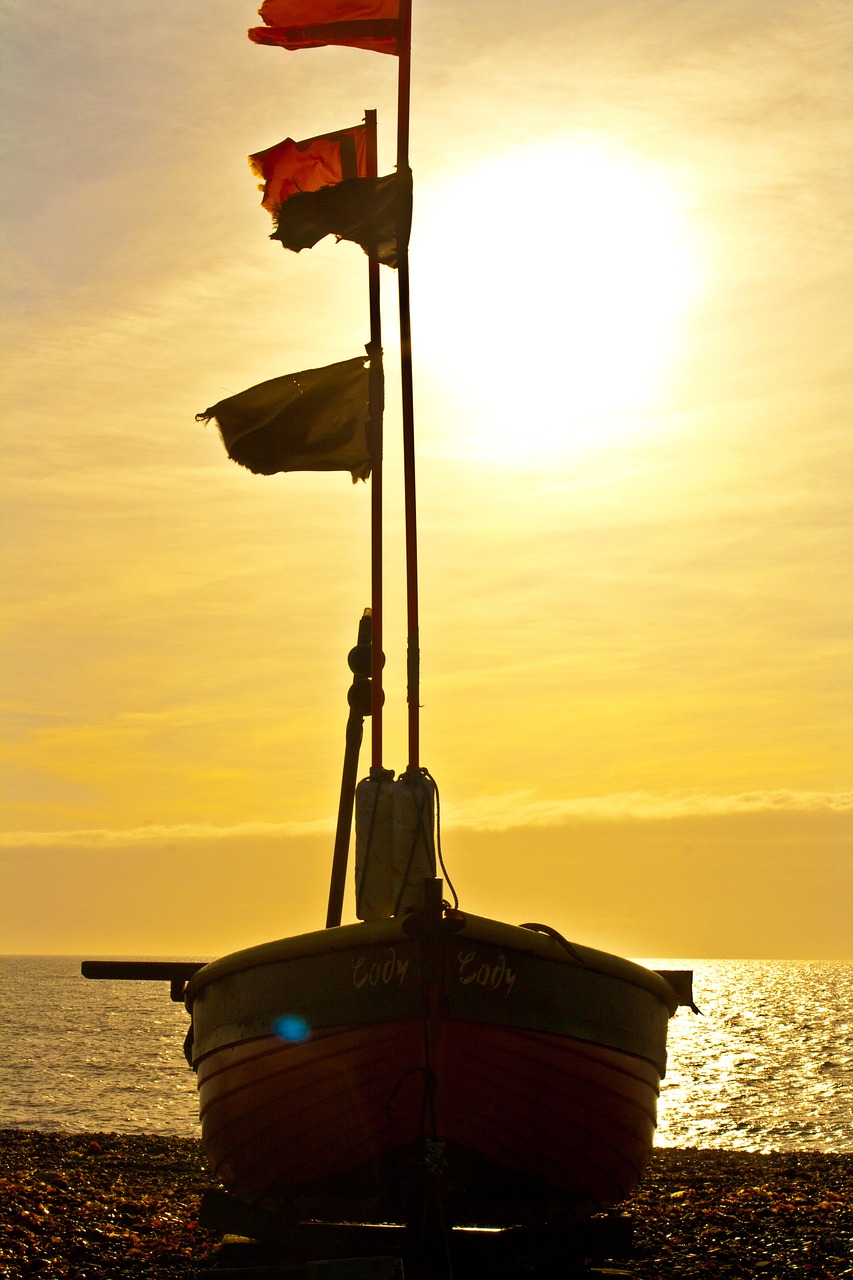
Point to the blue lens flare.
(291, 1027)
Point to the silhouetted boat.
(358, 1071)
(424, 1063)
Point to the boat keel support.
(262, 1246)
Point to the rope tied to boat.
(439, 854)
(558, 938)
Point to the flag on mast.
(310, 24)
(363, 210)
(292, 167)
(320, 187)
(317, 420)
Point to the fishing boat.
(362, 1070)
(423, 1061)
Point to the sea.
(766, 1066)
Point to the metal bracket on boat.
(681, 981)
(436, 917)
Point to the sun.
(550, 287)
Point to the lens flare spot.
(291, 1027)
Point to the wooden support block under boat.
(340, 1251)
(342, 1071)
(240, 1260)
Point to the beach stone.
(108, 1206)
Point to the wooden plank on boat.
(176, 972)
(141, 970)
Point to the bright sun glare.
(550, 291)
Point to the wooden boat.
(346, 1072)
(424, 1062)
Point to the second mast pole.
(376, 450)
(408, 412)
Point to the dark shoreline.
(101, 1206)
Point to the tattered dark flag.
(317, 420)
(368, 211)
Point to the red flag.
(291, 167)
(309, 24)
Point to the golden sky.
(632, 297)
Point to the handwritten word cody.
(391, 970)
(498, 976)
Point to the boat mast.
(370, 627)
(413, 638)
(375, 445)
(359, 707)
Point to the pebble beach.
(102, 1206)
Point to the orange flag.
(292, 167)
(309, 24)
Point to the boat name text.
(498, 976)
(387, 972)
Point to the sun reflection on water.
(769, 1064)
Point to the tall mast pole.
(368, 628)
(413, 639)
(376, 396)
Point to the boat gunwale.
(351, 937)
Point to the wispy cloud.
(159, 834)
(501, 813)
(484, 813)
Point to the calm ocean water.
(767, 1067)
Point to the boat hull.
(342, 1072)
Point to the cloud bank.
(484, 813)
